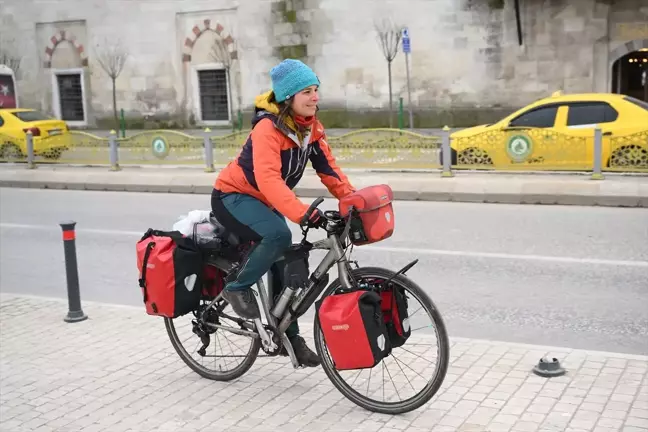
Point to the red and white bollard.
(75, 314)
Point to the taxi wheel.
(53, 154)
(11, 152)
(629, 156)
(474, 156)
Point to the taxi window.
(30, 116)
(1, 121)
(586, 113)
(542, 117)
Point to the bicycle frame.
(303, 299)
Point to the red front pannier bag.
(394, 308)
(372, 214)
(171, 273)
(354, 329)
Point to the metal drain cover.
(549, 368)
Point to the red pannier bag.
(171, 273)
(213, 282)
(372, 214)
(354, 329)
(394, 309)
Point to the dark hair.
(284, 106)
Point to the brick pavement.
(117, 372)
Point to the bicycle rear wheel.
(405, 362)
(225, 356)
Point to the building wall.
(628, 22)
(155, 80)
(465, 53)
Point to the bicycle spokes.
(205, 343)
(406, 371)
(415, 368)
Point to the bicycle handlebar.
(310, 210)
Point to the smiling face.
(305, 102)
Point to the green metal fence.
(629, 152)
(386, 148)
(530, 149)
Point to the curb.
(308, 327)
(400, 195)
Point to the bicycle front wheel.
(388, 387)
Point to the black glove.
(317, 219)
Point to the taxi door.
(580, 120)
(530, 138)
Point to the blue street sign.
(406, 46)
(406, 41)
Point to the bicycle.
(270, 336)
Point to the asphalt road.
(563, 276)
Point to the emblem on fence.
(160, 147)
(519, 147)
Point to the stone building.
(471, 60)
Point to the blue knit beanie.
(290, 77)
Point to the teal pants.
(270, 230)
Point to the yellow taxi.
(51, 136)
(557, 132)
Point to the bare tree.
(225, 53)
(112, 58)
(389, 36)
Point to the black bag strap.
(142, 281)
(147, 234)
(158, 233)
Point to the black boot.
(304, 355)
(243, 303)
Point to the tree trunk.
(114, 95)
(390, 94)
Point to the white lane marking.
(506, 256)
(442, 252)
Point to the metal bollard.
(209, 152)
(597, 173)
(114, 152)
(446, 153)
(30, 150)
(75, 314)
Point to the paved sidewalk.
(117, 372)
(527, 188)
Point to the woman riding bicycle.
(253, 195)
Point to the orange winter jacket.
(273, 160)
